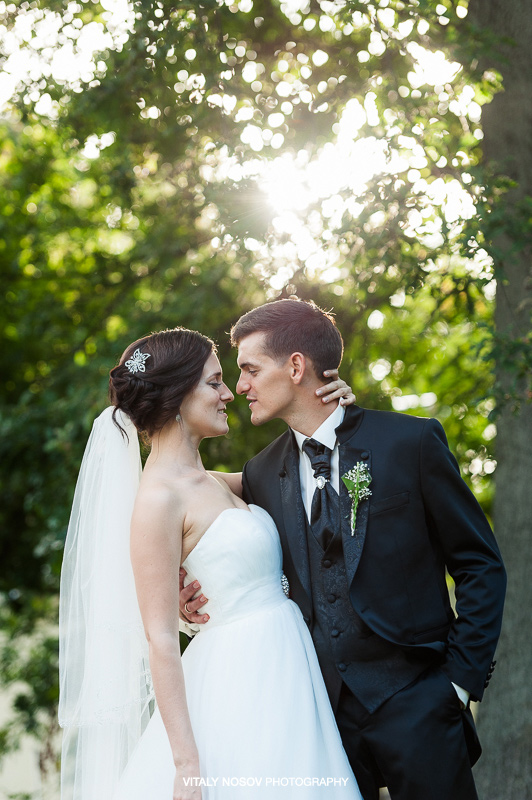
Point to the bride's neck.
(172, 448)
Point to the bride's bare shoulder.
(173, 493)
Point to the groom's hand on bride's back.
(191, 597)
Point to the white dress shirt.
(326, 434)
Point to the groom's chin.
(257, 419)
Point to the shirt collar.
(326, 433)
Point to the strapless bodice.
(238, 562)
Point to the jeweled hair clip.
(136, 364)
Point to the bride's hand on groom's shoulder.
(191, 600)
(336, 389)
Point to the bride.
(245, 712)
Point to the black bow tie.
(320, 459)
(325, 510)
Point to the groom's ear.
(298, 367)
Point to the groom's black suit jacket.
(421, 518)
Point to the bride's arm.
(232, 479)
(156, 557)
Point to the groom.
(369, 573)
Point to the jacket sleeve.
(472, 558)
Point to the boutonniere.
(357, 481)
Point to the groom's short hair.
(294, 326)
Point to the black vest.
(348, 650)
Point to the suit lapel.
(349, 455)
(294, 533)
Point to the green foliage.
(137, 203)
(33, 664)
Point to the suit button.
(335, 632)
(341, 666)
(331, 598)
(327, 563)
(365, 455)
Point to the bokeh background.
(168, 164)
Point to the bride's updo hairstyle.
(150, 385)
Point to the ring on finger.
(187, 609)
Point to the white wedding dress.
(258, 705)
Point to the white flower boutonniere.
(357, 481)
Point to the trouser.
(415, 743)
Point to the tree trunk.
(505, 716)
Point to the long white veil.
(104, 677)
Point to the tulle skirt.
(260, 714)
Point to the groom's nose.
(242, 385)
